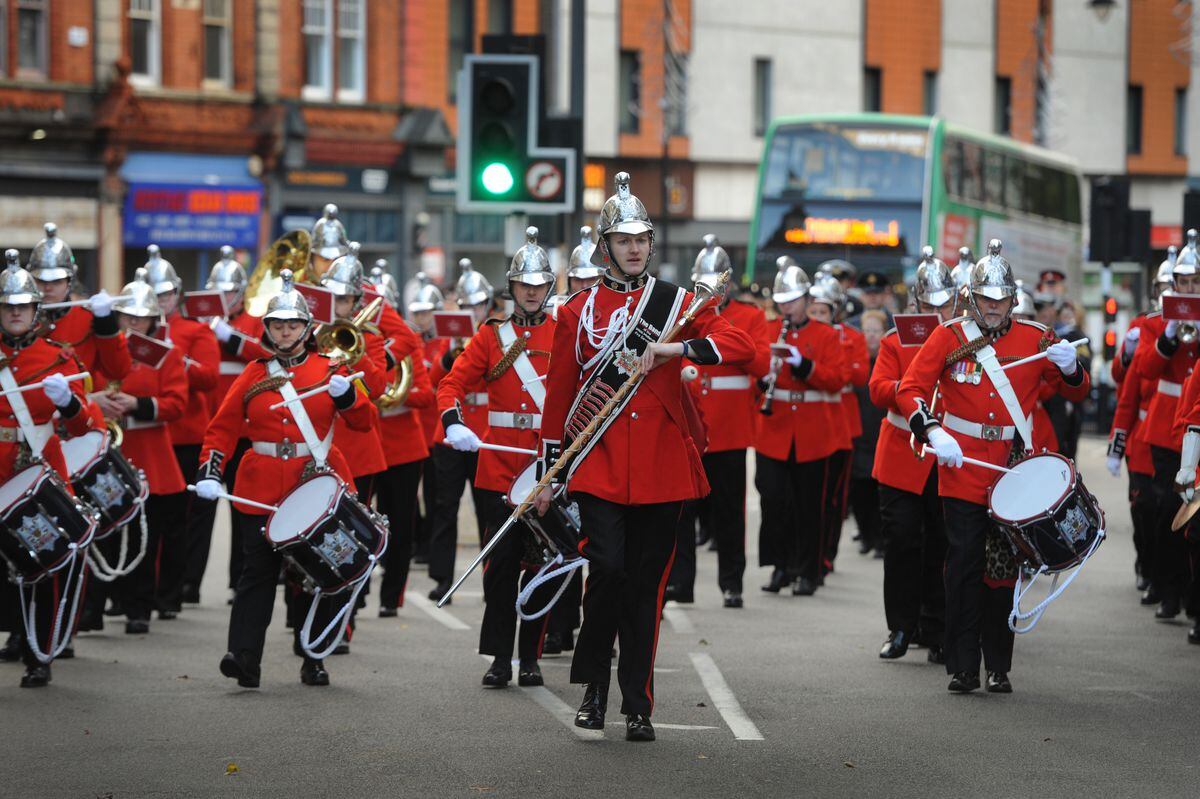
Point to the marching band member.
(145, 401)
(89, 332)
(986, 412)
(581, 272)
(425, 299)
(274, 463)
(27, 431)
(201, 358)
(633, 475)
(802, 425)
(329, 242)
(455, 468)
(510, 357)
(913, 594)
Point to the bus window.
(1072, 210)
(835, 162)
(993, 178)
(972, 176)
(952, 167)
(1014, 184)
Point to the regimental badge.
(626, 360)
(37, 532)
(107, 491)
(337, 548)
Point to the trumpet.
(1187, 333)
(768, 401)
(343, 340)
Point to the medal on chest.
(968, 370)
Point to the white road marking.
(659, 725)
(561, 711)
(439, 615)
(723, 699)
(678, 619)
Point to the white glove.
(1064, 356)
(209, 489)
(948, 452)
(1171, 329)
(462, 438)
(1131, 340)
(338, 386)
(101, 304)
(795, 359)
(57, 390)
(223, 330)
(1114, 465)
(1185, 481)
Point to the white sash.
(991, 367)
(530, 379)
(316, 445)
(35, 435)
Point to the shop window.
(762, 95)
(1003, 110)
(217, 52)
(318, 47)
(929, 90)
(351, 31)
(631, 89)
(1181, 110)
(32, 44)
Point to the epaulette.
(1033, 324)
(890, 332)
(962, 318)
(492, 320)
(1153, 313)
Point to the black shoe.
(190, 594)
(11, 651)
(388, 613)
(552, 644)
(936, 655)
(896, 645)
(1143, 583)
(678, 593)
(529, 675)
(778, 581)
(68, 653)
(440, 590)
(864, 548)
(803, 587)
(167, 614)
(236, 668)
(638, 728)
(1169, 609)
(590, 715)
(341, 649)
(733, 599)
(114, 609)
(312, 672)
(1150, 596)
(1194, 634)
(91, 621)
(997, 683)
(137, 626)
(964, 682)
(36, 677)
(498, 674)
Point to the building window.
(318, 58)
(461, 34)
(1133, 121)
(217, 53)
(631, 92)
(351, 52)
(1003, 111)
(499, 16)
(872, 89)
(31, 37)
(762, 95)
(1181, 121)
(929, 88)
(677, 95)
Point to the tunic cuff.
(346, 401)
(802, 371)
(69, 410)
(212, 468)
(1116, 447)
(551, 452)
(146, 410)
(105, 326)
(702, 351)
(921, 420)
(1166, 346)
(1075, 378)
(452, 416)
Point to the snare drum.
(100, 473)
(1048, 515)
(560, 526)
(39, 520)
(326, 533)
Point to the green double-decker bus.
(874, 188)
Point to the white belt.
(1169, 388)
(281, 449)
(1142, 413)
(395, 410)
(231, 368)
(987, 432)
(898, 421)
(130, 423)
(847, 389)
(10, 435)
(478, 398)
(521, 421)
(728, 382)
(783, 395)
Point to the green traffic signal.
(497, 178)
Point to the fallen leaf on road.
(701, 704)
(232, 768)
(1046, 739)
(483, 788)
(182, 677)
(87, 732)
(702, 757)
(848, 764)
(704, 642)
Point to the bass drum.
(102, 474)
(39, 521)
(558, 530)
(326, 534)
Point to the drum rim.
(92, 460)
(45, 472)
(333, 502)
(558, 492)
(1072, 484)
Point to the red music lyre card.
(914, 328)
(199, 304)
(1181, 307)
(320, 302)
(369, 296)
(144, 349)
(454, 324)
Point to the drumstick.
(313, 392)
(242, 500)
(1040, 355)
(502, 448)
(975, 462)
(40, 383)
(52, 306)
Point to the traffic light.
(501, 168)
(1110, 327)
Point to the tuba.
(343, 340)
(289, 251)
(397, 391)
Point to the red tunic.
(858, 369)
(1120, 364)
(978, 402)
(1044, 437)
(202, 358)
(1133, 400)
(810, 424)
(725, 392)
(474, 407)
(401, 427)
(241, 348)
(431, 421)
(365, 446)
(1168, 369)
(266, 478)
(96, 342)
(896, 465)
(646, 455)
(508, 398)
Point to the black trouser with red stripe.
(837, 490)
(503, 579)
(201, 515)
(629, 550)
(455, 470)
(172, 549)
(794, 508)
(976, 616)
(136, 590)
(914, 540)
(723, 512)
(1169, 570)
(396, 498)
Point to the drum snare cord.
(544, 575)
(100, 566)
(1055, 591)
(29, 611)
(339, 619)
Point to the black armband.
(802, 371)
(72, 408)
(701, 351)
(344, 402)
(1076, 377)
(105, 326)
(233, 345)
(447, 360)
(1166, 346)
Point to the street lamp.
(1102, 8)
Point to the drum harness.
(986, 356)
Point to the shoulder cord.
(600, 338)
(510, 356)
(268, 384)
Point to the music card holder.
(203, 304)
(913, 329)
(1181, 307)
(144, 349)
(320, 302)
(454, 324)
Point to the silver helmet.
(580, 265)
(17, 286)
(962, 270)
(623, 212)
(992, 276)
(227, 274)
(935, 284)
(1188, 259)
(711, 262)
(530, 265)
(791, 283)
(828, 289)
(423, 294)
(143, 300)
(472, 288)
(51, 258)
(159, 272)
(842, 270)
(288, 304)
(1166, 269)
(1024, 305)
(329, 235)
(384, 283)
(344, 277)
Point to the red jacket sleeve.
(171, 400)
(466, 375)
(205, 355)
(828, 371)
(361, 415)
(916, 386)
(712, 340)
(885, 378)
(562, 377)
(400, 338)
(112, 356)
(226, 425)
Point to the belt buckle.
(285, 450)
(523, 421)
(991, 432)
(797, 396)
